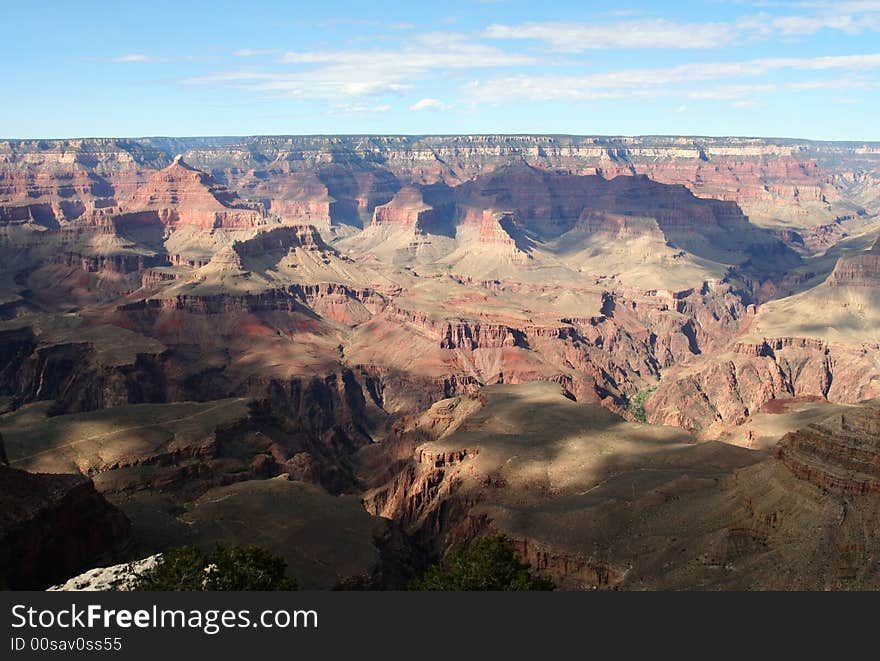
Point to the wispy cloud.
(137, 57)
(329, 74)
(421, 53)
(578, 37)
(428, 104)
(731, 91)
(361, 109)
(254, 52)
(789, 25)
(554, 65)
(654, 82)
(141, 58)
(844, 7)
(765, 25)
(854, 83)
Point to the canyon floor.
(652, 363)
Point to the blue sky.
(806, 69)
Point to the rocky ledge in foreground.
(115, 578)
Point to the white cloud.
(659, 33)
(329, 74)
(501, 72)
(136, 57)
(847, 6)
(655, 82)
(844, 62)
(422, 53)
(361, 109)
(681, 109)
(731, 91)
(253, 52)
(791, 25)
(577, 37)
(428, 104)
(853, 83)
(847, 17)
(140, 58)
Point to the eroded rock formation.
(840, 453)
(462, 331)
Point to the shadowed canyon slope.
(588, 344)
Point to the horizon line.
(607, 136)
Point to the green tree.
(490, 563)
(225, 568)
(636, 404)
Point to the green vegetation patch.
(636, 404)
(188, 569)
(489, 563)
